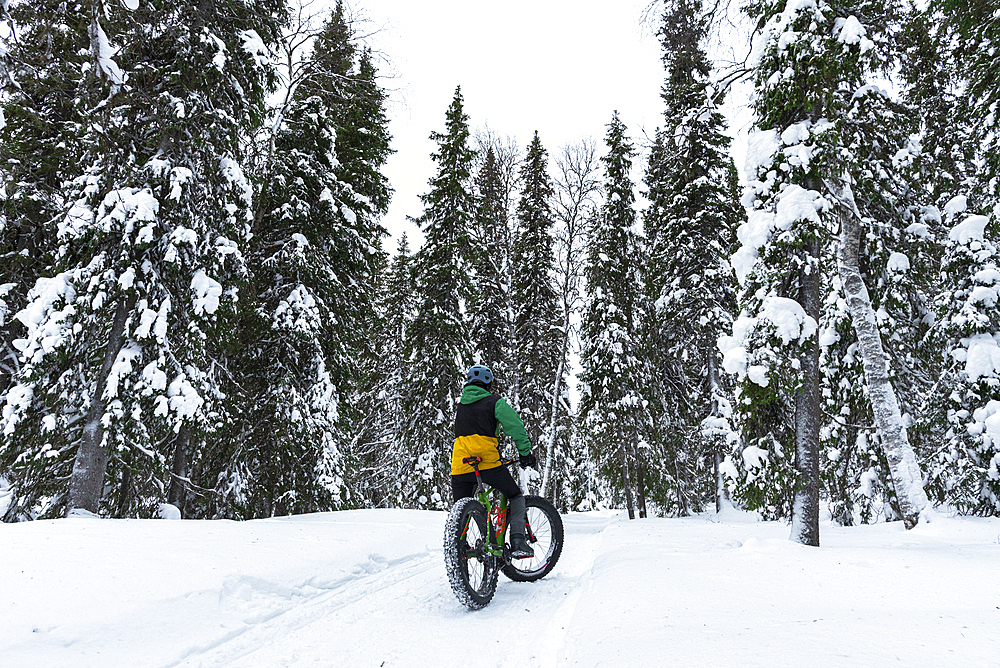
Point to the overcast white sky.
(557, 66)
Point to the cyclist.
(478, 420)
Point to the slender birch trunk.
(551, 446)
(903, 465)
(86, 483)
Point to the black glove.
(528, 461)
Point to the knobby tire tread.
(530, 569)
(454, 547)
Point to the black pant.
(464, 485)
(498, 477)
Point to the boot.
(519, 548)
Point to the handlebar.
(475, 461)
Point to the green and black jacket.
(478, 420)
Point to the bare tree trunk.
(86, 483)
(805, 507)
(575, 186)
(903, 465)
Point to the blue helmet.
(480, 372)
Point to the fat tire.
(477, 591)
(545, 523)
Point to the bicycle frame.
(496, 516)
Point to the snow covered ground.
(368, 589)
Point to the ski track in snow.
(339, 615)
(380, 577)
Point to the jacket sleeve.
(512, 426)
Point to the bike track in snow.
(418, 620)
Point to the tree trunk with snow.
(903, 465)
(178, 472)
(805, 506)
(721, 491)
(626, 480)
(640, 487)
(86, 483)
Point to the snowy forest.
(197, 312)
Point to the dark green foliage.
(931, 71)
(147, 255)
(489, 301)
(690, 229)
(536, 309)
(41, 119)
(314, 263)
(976, 27)
(437, 341)
(611, 405)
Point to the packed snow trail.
(406, 615)
(368, 588)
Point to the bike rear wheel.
(544, 531)
(472, 571)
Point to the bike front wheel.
(472, 571)
(544, 531)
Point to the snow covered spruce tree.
(535, 304)
(898, 258)
(818, 144)
(41, 117)
(690, 229)
(489, 303)
(314, 260)
(963, 465)
(612, 375)
(930, 68)
(976, 27)
(898, 261)
(437, 344)
(126, 335)
(376, 458)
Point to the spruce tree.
(611, 406)
(962, 458)
(975, 25)
(437, 344)
(690, 229)
(377, 460)
(963, 465)
(41, 118)
(314, 261)
(824, 137)
(126, 335)
(489, 303)
(534, 299)
(931, 69)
